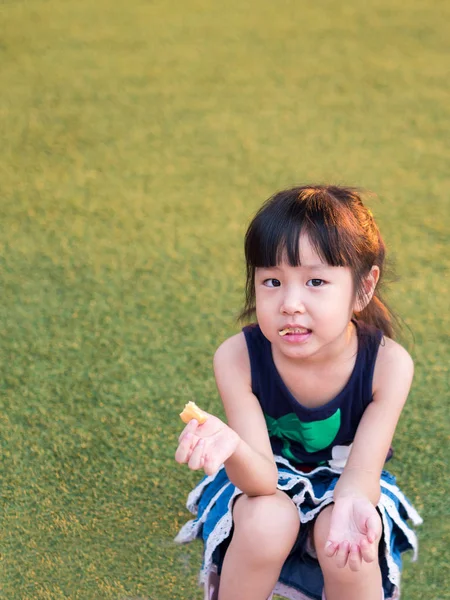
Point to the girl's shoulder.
(239, 347)
(232, 353)
(393, 362)
(392, 351)
(232, 369)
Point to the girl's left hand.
(355, 530)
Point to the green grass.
(137, 139)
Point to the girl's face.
(305, 310)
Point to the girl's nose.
(292, 304)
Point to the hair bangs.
(273, 238)
(331, 243)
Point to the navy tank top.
(319, 435)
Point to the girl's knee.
(335, 575)
(268, 524)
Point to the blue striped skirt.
(211, 502)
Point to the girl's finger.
(197, 460)
(184, 450)
(373, 528)
(208, 466)
(190, 428)
(368, 551)
(342, 554)
(330, 548)
(354, 558)
(211, 465)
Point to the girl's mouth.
(295, 335)
(293, 331)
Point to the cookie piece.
(192, 411)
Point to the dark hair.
(341, 230)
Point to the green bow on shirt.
(313, 436)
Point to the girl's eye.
(272, 282)
(315, 282)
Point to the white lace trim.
(299, 477)
(393, 570)
(410, 510)
(284, 461)
(389, 506)
(221, 532)
(189, 531)
(195, 495)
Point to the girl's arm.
(252, 466)
(391, 384)
(355, 526)
(243, 445)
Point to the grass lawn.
(137, 139)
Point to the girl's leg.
(342, 583)
(265, 530)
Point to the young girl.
(295, 500)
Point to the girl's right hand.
(206, 446)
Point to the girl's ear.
(367, 290)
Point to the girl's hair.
(341, 230)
